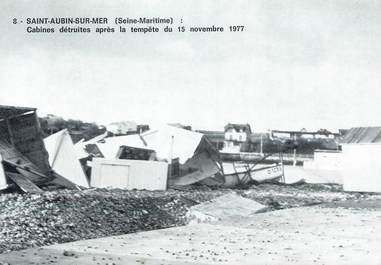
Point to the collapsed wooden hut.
(23, 155)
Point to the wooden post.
(3, 180)
(170, 160)
(281, 163)
(294, 162)
(11, 137)
(261, 144)
(58, 147)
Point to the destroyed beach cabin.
(23, 155)
(168, 156)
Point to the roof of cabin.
(11, 111)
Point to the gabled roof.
(246, 127)
(10, 111)
(362, 135)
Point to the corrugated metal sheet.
(362, 135)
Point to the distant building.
(141, 128)
(306, 142)
(76, 135)
(52, 120)
(216, 138)
(236, 137)
(303, 133)
(122, 128)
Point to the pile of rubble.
(61, 216)
(32, 220)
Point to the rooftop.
(362, 135)
(11, 111)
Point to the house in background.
(122, 128)
(216, 138)
(52, 123)
(236, 137)
(303, 133)
(141, 128)
(306, 142)
(126, 128)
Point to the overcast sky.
(299, 63)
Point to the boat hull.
(265, 174)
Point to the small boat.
(244, 175)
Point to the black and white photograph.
(174, 132)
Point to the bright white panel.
(362, 167)
(63, 158)
(129, 174)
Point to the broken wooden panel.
(11, 111)
(13, 157)
(188, 179)
(24, 183)
(26, 136)
(134, 153)
(4, 134)
(203, 164)
(10, 153)
(216, 180)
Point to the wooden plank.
(27, 139)
(10, 132)
(14, 158)
(3, 179)
(25, 184)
